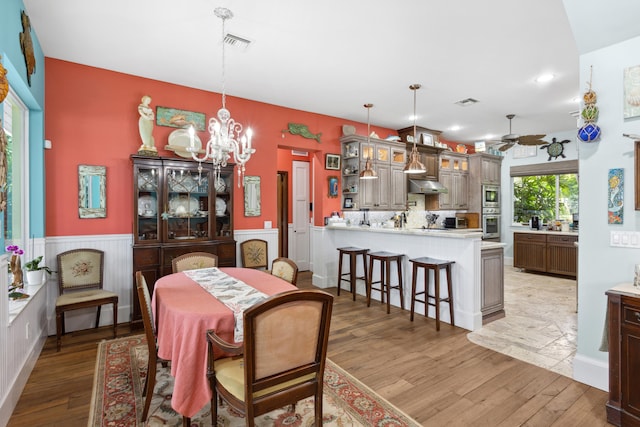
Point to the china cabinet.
(178, 209)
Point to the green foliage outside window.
(549, 197)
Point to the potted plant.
(35, 271)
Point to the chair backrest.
(285, 269)
(194, 260)
(80, 269)
(285, 337)
(254, 253)
(147, 316)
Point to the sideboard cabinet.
(623, 311)
(178, 209)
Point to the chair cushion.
(230, 375)
(283, 271)
(83, 296)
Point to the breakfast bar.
(463, 246)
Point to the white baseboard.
(591, 371)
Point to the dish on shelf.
(147, 206)
(182, 183)
(147, 182)
(461, 148)
(183, 205)
(220, 185)
(221, 207)
(179, 141)
(348, 130)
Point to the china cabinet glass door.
(146, 198)
(186, 213)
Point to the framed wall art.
(348, 203)
(333, 186)
(174, 118)
(615, 197)
(332, 162)
(632, 92)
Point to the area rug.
(121, 367)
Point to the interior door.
(299, 252)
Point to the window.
(15, 121)
(548, 191)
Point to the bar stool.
(353, 253)
(432, 264)
(385, 259)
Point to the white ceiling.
(331, 57)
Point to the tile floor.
(540, 326)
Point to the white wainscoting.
(20, 344)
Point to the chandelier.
(413, 165)
(226, 136)
(368, 172)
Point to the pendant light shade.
(413, 162)
(368, 172)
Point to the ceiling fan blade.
(532, 140)
(505, 147)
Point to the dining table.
(184, 310)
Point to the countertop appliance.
(455, 222)
(535, 223)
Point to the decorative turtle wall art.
(555, 148)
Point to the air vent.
(575, 113)
(236, 42)
(467, 102)
(299, 153)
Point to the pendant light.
(413, 164)
(368, 172)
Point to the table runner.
(234, 293)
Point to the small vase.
(16, 269)
(35, 277)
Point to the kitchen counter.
(492, 245)
(557, 233)
(462, 246)
(453, 233)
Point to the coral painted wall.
(92, 118)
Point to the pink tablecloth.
(185, 311)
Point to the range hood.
(423, 186)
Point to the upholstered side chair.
(285, 269)
(193, 260)
(279, 365)
(254, 253)
(80, 282)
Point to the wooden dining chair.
(254, 253)
(280, 364)
(193, 260)
(285, 269)
(80, 281)
(151, 337)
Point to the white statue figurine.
(145, 124)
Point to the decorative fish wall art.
(302, 130)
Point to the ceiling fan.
(512, 139)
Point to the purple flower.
(15, 249)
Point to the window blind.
(555, 168)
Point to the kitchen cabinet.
(491, 169)
(454, 175)
(178, 209)
(562, 257)
(545, 252)
(388, 192)
(623, 311)
(483, 169)
(492, 290)
(529, 251)
(429, 158)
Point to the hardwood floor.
(439, 379)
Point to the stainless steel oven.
(491, 196)
(491, 223)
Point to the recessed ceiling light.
(455, 128)
(544, 78)
(575, 100)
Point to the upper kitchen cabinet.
(454, 175)
(387, 158)
(428, 146)
(486, 167)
